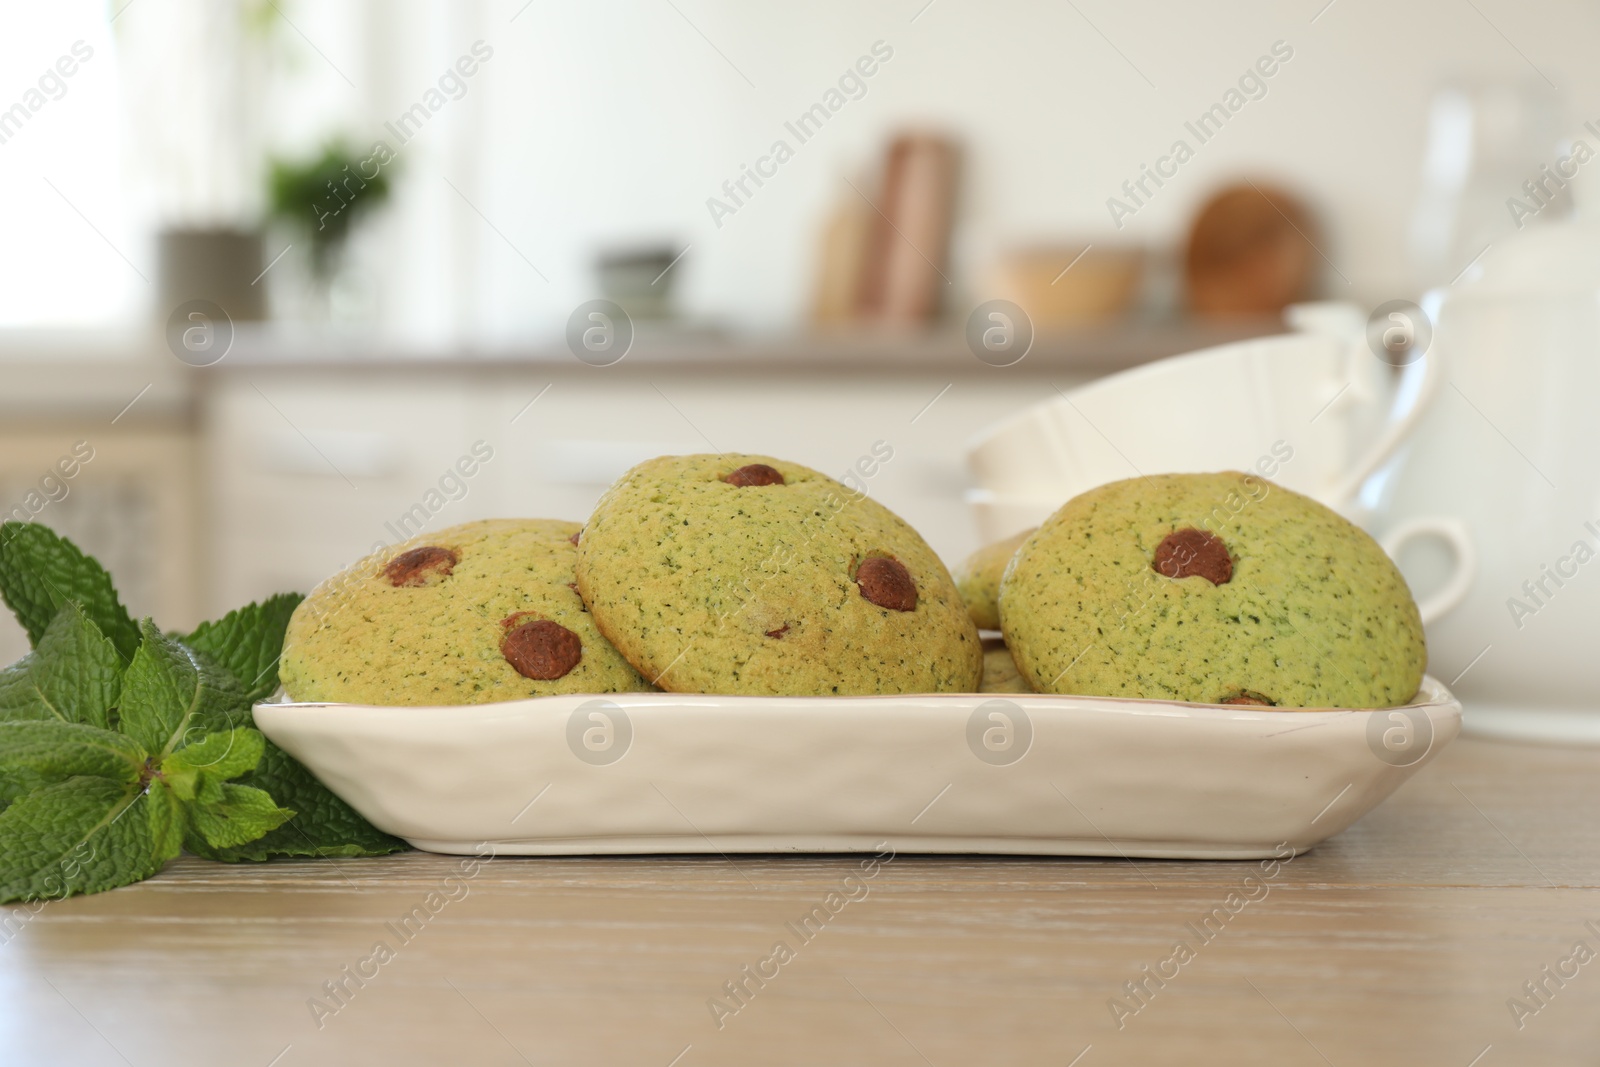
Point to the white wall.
(604, 123)
(609, 122)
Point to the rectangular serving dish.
(962, 773)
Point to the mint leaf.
(40, 571)
(165, 817)
(248, 642)
(240, 815)
(19, 784)
(80, 835)
(73, 678)
(52, 751)
(197, 771)
(74, 675)
(20, 698)
(323, 826)
(222, 755)
(77, 669)
(171, 696)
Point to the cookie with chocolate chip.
(470, 614)
(748, 574)
(1212, 588)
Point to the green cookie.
(1000, 674)
(1211, 588)
(746, 574)
(978, 578)
(471, 614)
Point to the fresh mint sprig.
(121, 810)
(121, 745)
(247, 643)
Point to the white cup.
(1314, 412)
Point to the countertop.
(1408, 939)
(132, 378)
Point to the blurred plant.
(325, 195)
(262, 18)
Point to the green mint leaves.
(90, 808)
(40, 571)
(235, 815)
(247, 643)
(220, 756)
(170, 697)
(73, 676)
(79, 835)
(55, 751)
(223, 815)
(324, 825)
(105, 813)
(121, 745)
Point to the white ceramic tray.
(668, 772)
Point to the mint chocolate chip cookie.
(1000, 674)
(747, 574)
(471, 614)
(1212, 588)
(978, 578)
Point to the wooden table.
(1399, 942)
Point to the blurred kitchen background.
(276, 275)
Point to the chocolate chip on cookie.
(754, 474)
(542, 650)
(1187, 552)
(415, 566)
(887, 583)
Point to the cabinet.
(129, 502)
(308, 468)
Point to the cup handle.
(1422, 380)
(1454, 534)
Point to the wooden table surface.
(1406, 940)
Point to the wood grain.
(1399, 942)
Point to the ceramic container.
(1047, 775)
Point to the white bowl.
(1034, 774)
(1313, 413)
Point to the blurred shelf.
(1097, 350)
